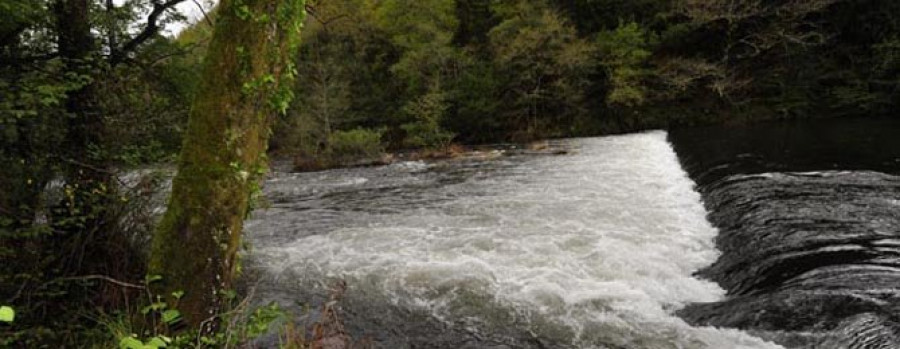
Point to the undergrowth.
(78, 288)
(243, 326)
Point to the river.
(607, 246)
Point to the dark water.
(809, 229)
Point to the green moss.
(246, 75)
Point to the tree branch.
(149, 31)
(93, 277)
(104, 278)
(311, 11)
(205, 15)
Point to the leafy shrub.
(346, 147)
(626, 51)
(427, 111)
(53, 276)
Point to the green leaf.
(154, 307)
(178, 294)
(130, 343)
(156, 342)
(229, 294)
(171, 316)
(7, 314)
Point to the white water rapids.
(592, 249)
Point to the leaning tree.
(245, 83)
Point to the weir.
(594, 249)
(809, 221)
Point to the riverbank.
(453, 151)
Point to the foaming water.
(594, 249)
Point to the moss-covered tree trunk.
(245, 83)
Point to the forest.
(95, 95)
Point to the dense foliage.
(436, 71)
(89, 90)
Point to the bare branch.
(314, 14)
(149, 31)
(205, 15)
(97, 277)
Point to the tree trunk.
(246, 81)
(76, 48)
(83, 217)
